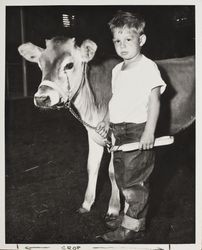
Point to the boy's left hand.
(102, 128)
(146, 141)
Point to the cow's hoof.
(82, 210)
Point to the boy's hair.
(128, 19)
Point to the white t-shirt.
(131, 89)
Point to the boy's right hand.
(102, 128)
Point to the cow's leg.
(94, 160)
(114, 203)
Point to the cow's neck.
(86, 106)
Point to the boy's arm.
(147, 138)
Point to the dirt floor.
(46, 176)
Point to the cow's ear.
(30, 52)
(88, 49)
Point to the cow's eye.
(68, 66)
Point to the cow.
(71, 75)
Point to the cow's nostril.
(42, 101)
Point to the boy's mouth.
(124, 53)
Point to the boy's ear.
(142, 39)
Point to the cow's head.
(62, 65)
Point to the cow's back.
(178, 101)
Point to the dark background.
(46, 152)
(170, 33)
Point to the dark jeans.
(132, 171)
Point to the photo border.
(198, 186)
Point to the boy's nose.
(122, 45)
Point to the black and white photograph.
(99, 126)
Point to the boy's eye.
(116, 41)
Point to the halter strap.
(80, 86)
(65, 96)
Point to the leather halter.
(78, 90)
(67, 104)
(65, 96)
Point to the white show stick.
(160, 141)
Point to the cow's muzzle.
(42, 101)
(49, 95)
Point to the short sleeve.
(155, 79)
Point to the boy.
(133, 114)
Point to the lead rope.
(67, 105)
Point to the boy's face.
(127, 42)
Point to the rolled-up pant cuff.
(133, 224)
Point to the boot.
(113, 222)
(122, 235)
